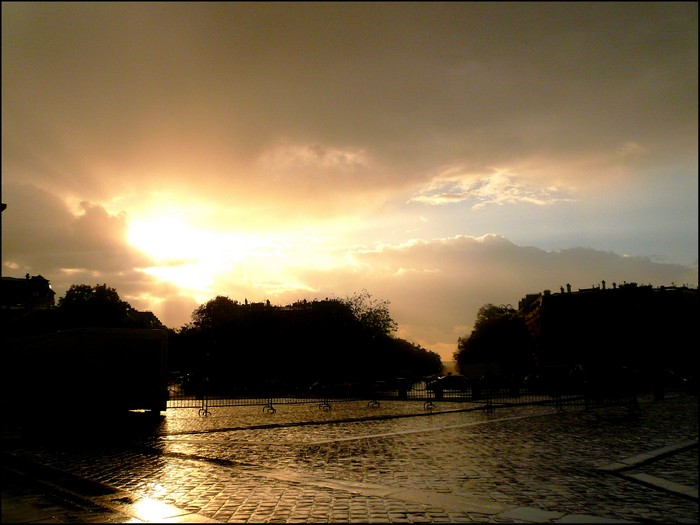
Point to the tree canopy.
(232, 343)
(214, 312)
(372, 314)
(98, 305)
(499, 336)
(82, 305)
(329, 340)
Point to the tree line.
(231, 345)
(82, 306)
(326, 341)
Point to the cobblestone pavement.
(361, 464)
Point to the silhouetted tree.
(499, 336)
(243, 345)
(372, 314)
(214, 313)
(409, 360)
(82, 306)
(95, 306)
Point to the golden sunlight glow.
(186, 256)
(171, 239)
(197, 259)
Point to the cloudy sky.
(438, 155)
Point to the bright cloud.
(291, 157)
(499, 187)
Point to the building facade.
(26, 293)
(643, 327)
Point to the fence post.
(439, 393)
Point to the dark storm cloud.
(119, 90)
(42, 235)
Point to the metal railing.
(487, 399)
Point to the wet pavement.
(396, 463)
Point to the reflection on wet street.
(355, 462)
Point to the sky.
(440, 156)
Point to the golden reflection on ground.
(151, 511)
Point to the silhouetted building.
(97, 371)
(26, 294)
(624, 325)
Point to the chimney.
(568, 288)
(603, 283)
